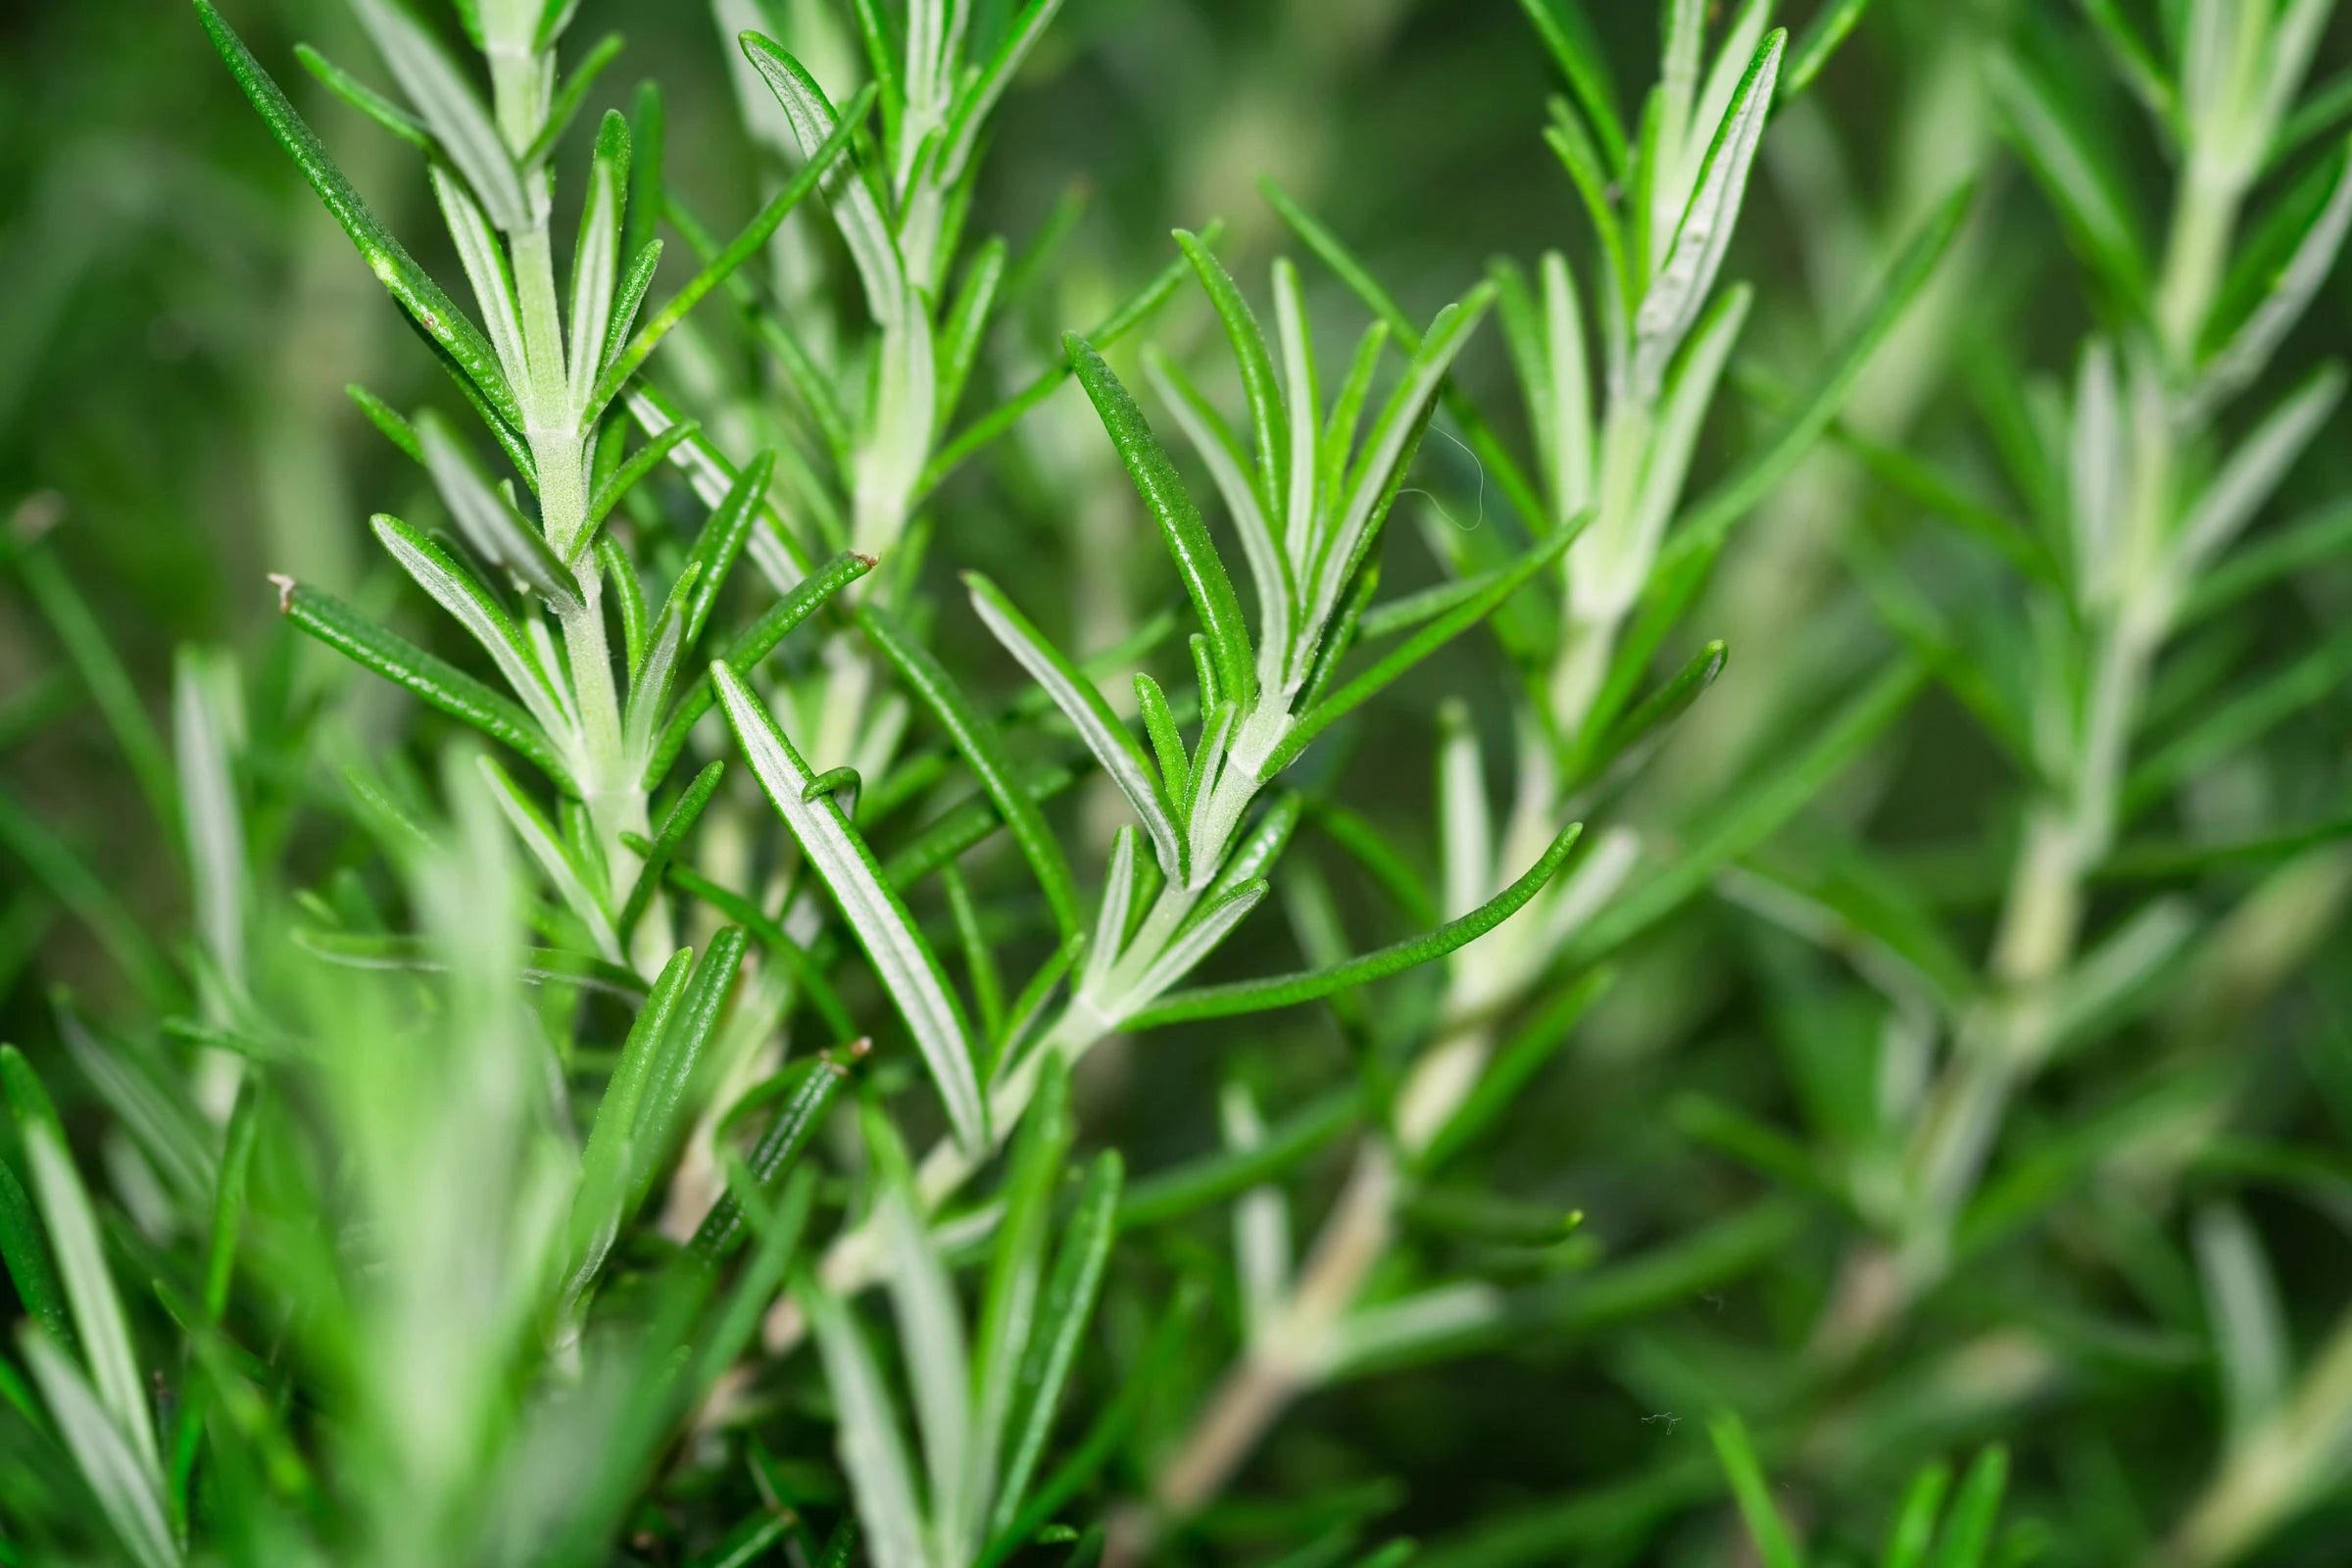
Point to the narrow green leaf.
(822, 156)
(774, 1155)
(1128, 315)
(1914, 1530)
(1260, 385)
(977, 737)
(1568, 36)
(628, 476)
(665, 1106)
(386, 114)
(1712, 515)
(573, 883)
(448, 103)
(676, 825)
(387, 419)
(1393, 664)
(967, 323)
(571, 98)
(1968, 1532)
(1011, 1305)
(1753, 1493)
(26, 1251)
(1061, 1315)
(1167, 747)
(751, 645)
(228, 1198)
(1180, 527)
(433, 310)
(126, 1483)
(1259, 996)
(102, 673)
(75, 1242)
(1521, 1057)
(773, 549)
(1760, 806)
(1631, 736)
(1083, 706)
(909, 969)
(873, 1451)
(1829, 28)
(2086, 193)
(439, 684)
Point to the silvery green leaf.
(1690, 392)
(1197, 942)
(489, 521)
(485, 265)
(207, 732)
(553, 857)
(2242, 359)
(649, 688)
(2254, 470)
(855, 206)
(2245, 1318)
(128, 1491)
(872, 1450)
(447, 102)
(939, 1368)
(2126, 966)
(1714, 99)
(2096, 462)
(1667, 125)
(1269, 568)
(1261, 1218)
(454, 590)
(1678, 292)
(980, 97)
(1371, 480)
(1412, 1328)
(909, 969)
(1568, 440)
(75, 1242)
(596, 259)
(1305, 403)
(889, 464)
(1466, 819)
(1118, 903)
(771, 546)
(1083, 706)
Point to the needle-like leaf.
(1283, 991)
(1171, 507)
(1083, 706)
(911, 972)
(433, 310)
(977, 739)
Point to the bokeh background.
(177, 319)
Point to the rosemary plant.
(784, 1021)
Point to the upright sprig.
(2150, 499)
(543, 376)
(1259, 702)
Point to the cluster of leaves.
(462, 1205)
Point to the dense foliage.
(748, 972)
